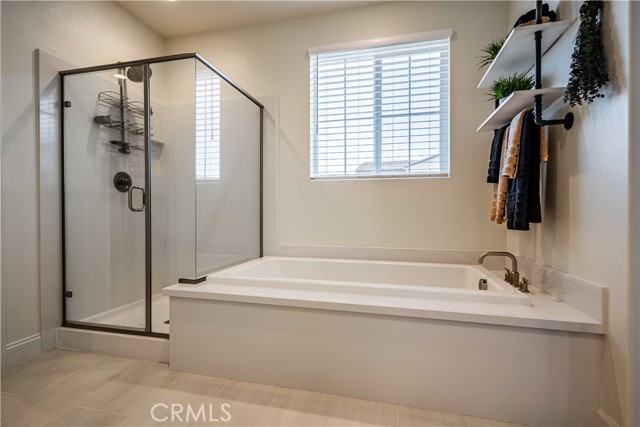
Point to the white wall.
(419, 214)
(587, 214)
(81, 33)
(634, 135)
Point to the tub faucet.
(511, 276)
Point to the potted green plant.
(490, 52)
(505, 86)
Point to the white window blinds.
(207, 105)
(381, 111)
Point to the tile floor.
(66, 388)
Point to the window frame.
(445, 135)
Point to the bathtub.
(416, 334)
(381, 282)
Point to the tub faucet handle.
(511, 276)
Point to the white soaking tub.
(382, 282)
(416, 334)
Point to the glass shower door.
(105, 198)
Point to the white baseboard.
(25, 348)
(48, 340)
(606, 418)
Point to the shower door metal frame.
(145, 63)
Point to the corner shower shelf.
(110, 98)
(137, 108)
(112, 122)
(517, 102)
(138, 129)
(518, 52)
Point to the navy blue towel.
(523, 195)
(493, 174)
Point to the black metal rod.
(538, 52)
(537, 108)
(122, 83)
(567, 122)
(159, 59)
(148, 205)
(227, 79)
(126, 64)
(552, 122)
(62, 207)
(537, 104)
(261, 181)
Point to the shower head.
(136, 73)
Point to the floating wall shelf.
(517, 102)
(518, 52)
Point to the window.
(380, 111)
(207, 105)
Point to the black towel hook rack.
(537, 108)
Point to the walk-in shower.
(162, 182)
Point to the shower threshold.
(132, 315)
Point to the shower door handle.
(144, 197)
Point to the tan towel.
(500, 189)
(544, 148)
(533, 22)
(509, 167)
(510, 160)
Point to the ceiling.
(180, 18)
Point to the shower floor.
(132, 315)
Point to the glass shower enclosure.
(161, 183)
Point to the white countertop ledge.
(544, 312)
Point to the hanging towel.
(544, 148)
(500, 189)
(523, 196)
(529, 18)
(510, 161)
(495, 156)
(509, 166)
(545, 19)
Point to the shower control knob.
(122, 181)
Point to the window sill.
(379, 177)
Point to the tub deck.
(449, 294)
